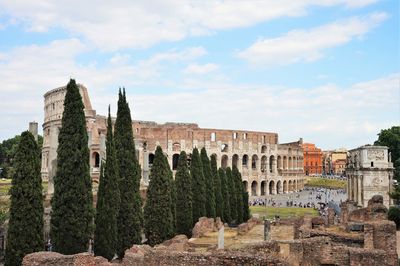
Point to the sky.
(326, 71)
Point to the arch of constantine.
(267, 167)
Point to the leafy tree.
(72, 203)
(108, 201)
(225, 195)
(239, 190)
(391, 138)
(231, 185)
(184, 210)
(130, 217)
(158, 221)
(172, 189)
(394, 215)
(246, 207)
(198, 186)
(208, 178)
(219, 201)
(25, 231)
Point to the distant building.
(334, 162)
(312, 159)
(369, 172)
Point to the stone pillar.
(359, 191)
(348, 188)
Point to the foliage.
(208, 178)
(72, 203)
(327, 183)
(108, 201)
(239, 190)
(246, 207)
(231, 185)
(225, 195)
(391, 138)
(219, 201)
(158, 221)
(198, 187)
(25, 231)
(130, 217)
(172, 190)
(184, 210)
(394, 215)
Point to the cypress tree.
(225, 195)
(130, 215)
(237, 178)
(172, 189)
(72, 203)
(184, 210)
(219, 202)
(246, 208)
(208, 178)
(198, 186)
(158, 221)
(108, 200)
(25, 231)
(231, 184)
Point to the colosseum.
(267, 167)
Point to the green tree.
(394, 215)
(391, 138)
(246, 207)
(130, 217)
(239, 190)
(208, 178)
(231, 184)
(108, 201)
(158, 221)
(25, 231)
(198, 186)
(72, 203)
(219, 201)
(225, 195)
(172, 189)
(184, 197)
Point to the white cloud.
(309, 45)
(200, 69)
(138, 24)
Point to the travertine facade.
(369, 172)
(266, 166)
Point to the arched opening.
(271, 187)
(175, 159)
(254, 188)
(96, 159)
(245, 185)
(290, 167)
(290, 186)
(263, 188)
(245, 160)
(284, 162)
(235, 160)
(263, 163)
(285, 186)
(254, 160)
(151, 159)
(176, 147)
(213, 136)
(271, 163)
(263, 149)
(224, 147)
(278, 187)
(279, 162)
(224, 161)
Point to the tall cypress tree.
(246, 208)
(108, 200)
(239, 189)
(72, 203)
(225, 195)
(219, 201)
(25, 231)
(198, 186)
(172, 190)
(158, 221)
(130, 215)
(208, 178)
(184, 210)
(231, 184)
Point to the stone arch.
(271, 187)
(264, 163)
(224, 147)
(279, 162)
(285, 186)
(245, 161)
(285, 163)
(254, 160)
(254, 187)
(264, 149)
(290, 165)
(263, 188)
(278, 187)
(290, 184)
(176, 146)
(96, 159)
(271, 164)
(235, 160)
(175, 160)
(224, 161)
(151, 159)
(245, 185)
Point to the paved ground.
(398, 243)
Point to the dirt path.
(398, 243)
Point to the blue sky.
(323, 70)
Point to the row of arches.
(272, 187)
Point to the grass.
(5, 187)
(326, 183)
(283, 212)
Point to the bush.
(394, 215)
